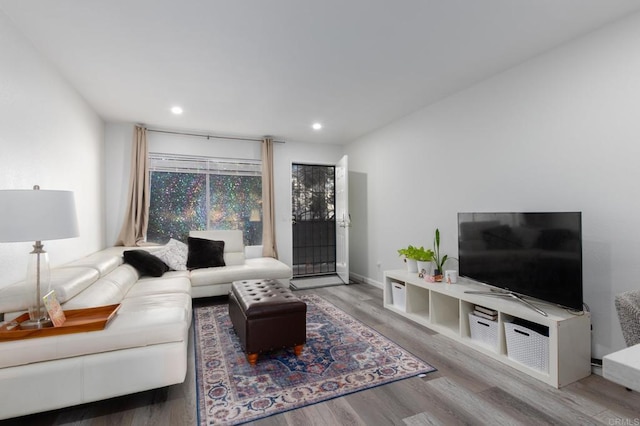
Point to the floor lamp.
(37, 215)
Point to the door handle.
(345, 223)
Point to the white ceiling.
(257, 67)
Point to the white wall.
(49, 137)
(118, 156)
(560, 132)
(117, 159)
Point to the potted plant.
(413, 255)
(437, 259)
(409, 259)
(423, 257)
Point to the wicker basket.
(484, 331)
(527, 346)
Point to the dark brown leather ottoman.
(266, 316)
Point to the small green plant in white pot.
(424, 257)
(416, 255)
(409, 258)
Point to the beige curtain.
(136, 219)
(269, 248)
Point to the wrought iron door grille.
(313, 216)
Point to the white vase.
(426, 266)
(412, 265)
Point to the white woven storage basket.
(527, 346)
(399, 295)
(484, 331)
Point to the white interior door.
(343, 220)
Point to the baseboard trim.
(366, 280)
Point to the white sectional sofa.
(143, 347)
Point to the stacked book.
(482, 312)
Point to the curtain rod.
(208, 136)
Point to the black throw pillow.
(145, 263)
(204, 253)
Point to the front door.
(313, 219)
(320, 220)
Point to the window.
(199, 193)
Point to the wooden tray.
(78, 321)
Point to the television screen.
(530, 254)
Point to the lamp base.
(36, 324)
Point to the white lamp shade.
(37, 215)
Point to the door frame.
(342, 217)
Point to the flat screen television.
(530, 254)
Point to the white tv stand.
(496, 293)
(445, 307)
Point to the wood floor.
(468, 388)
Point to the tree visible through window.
(195, 193)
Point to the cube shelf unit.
(445, 309)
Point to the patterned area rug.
(341, 356)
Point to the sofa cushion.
(233, 244)
(171, 282)
(145, 262)
(269, 267)
(103, 261)
(107, 290)
(204, 253)
(66, 281)
(253, 269)
(70, 281)
(174, 254)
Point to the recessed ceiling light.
(316, 126)
(176, 110)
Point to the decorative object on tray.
(54, 309)
(35, 215)
(77, 321)
(341, 356)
